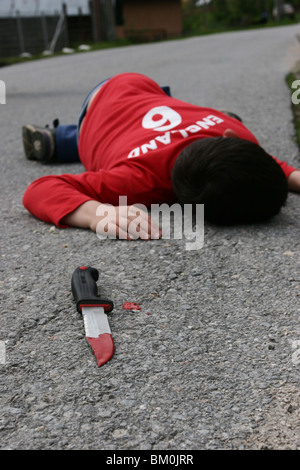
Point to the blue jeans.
(67, 135)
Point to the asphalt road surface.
(211, 361)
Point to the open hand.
(124, 222)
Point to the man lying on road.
(135, 140)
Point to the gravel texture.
(211, 361)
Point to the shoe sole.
(38, 145)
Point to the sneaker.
(39, 142)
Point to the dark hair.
(236, 180)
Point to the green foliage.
(220, 15)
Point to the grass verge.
(5, 61)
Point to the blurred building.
(37, 31)
(148, 19)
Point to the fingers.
(126, 223)
(140, 224)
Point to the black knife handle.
(84, 289)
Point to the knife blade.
(93, 310)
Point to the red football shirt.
(128, 143)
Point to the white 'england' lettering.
(182, 132)
(152, 145)
(193, 129)
(206, 123)
(218, 120)
(134, 153)
(166, 139)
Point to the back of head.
(236, 180)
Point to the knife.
(93, 308)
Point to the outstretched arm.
(74, 200)
(125, 222)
